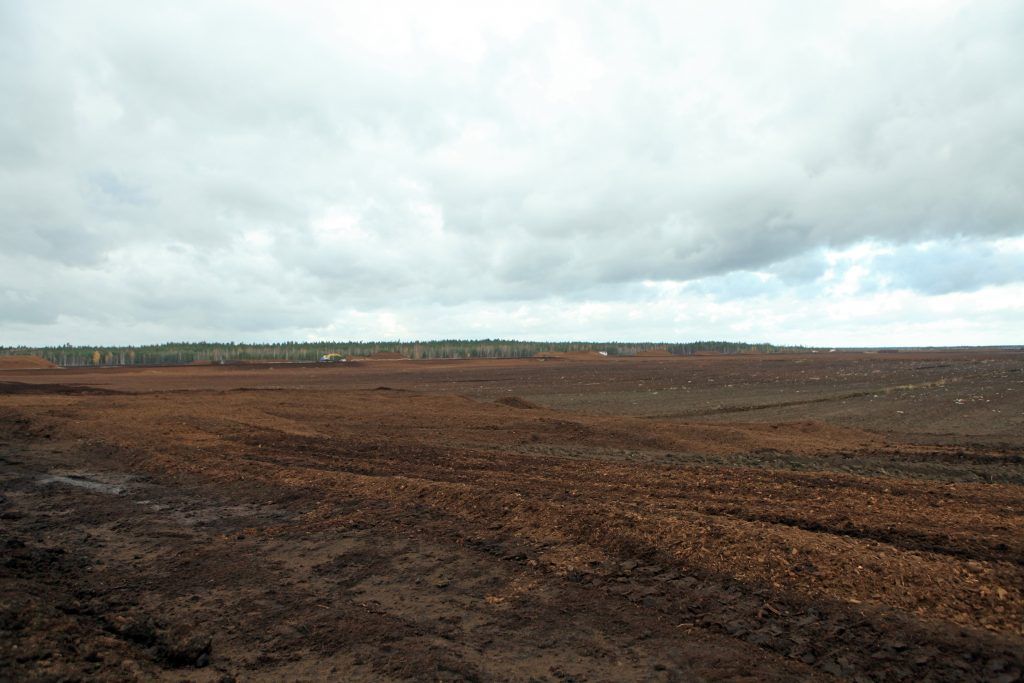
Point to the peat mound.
(25, 363)
(516, 402)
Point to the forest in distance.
(190, 352)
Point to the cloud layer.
(306, 170)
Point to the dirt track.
(749, 517)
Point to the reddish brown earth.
(385, 355)
(571, 355)
(24, 363)
(858, 516)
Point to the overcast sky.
(811, 172)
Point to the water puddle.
(82, 482)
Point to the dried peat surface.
(858, 516)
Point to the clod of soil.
(177, 646)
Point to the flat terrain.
(794, 517)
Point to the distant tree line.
(189, 352)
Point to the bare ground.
(750, 517)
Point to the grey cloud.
(569, 154)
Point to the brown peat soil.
(786, 517)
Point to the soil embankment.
(25, 363)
